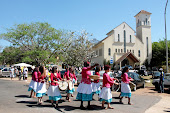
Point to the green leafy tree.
(38, 42)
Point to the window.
(138, 53)
(130, 38)
(124, 41)
(121, 50)
(146, 21)
(116, 50)
(147, 47)
(109, 51)
(130, 50)
(127, 50)
(100, 52)
(96, 52)
(118, 38)
(133, 51)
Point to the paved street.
(14, 99)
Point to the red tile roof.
(128, 54)
(143, 11)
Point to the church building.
(125, 46)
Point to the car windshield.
(167, 76)
(110, 73)
(157, 73)
(136, 76)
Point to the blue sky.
(97, 17)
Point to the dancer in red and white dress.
(41, 84)
(96, 84)
(33, 83)
(84, 89)
(53, 91)
(106, 95)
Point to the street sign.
(111, 60)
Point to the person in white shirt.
(25, 73)
(12, 73)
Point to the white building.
(125, 45)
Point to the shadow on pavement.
(116, 97)
(27, 102)
(60, 101)
(167, 91)
(23, 96)
(40, 106)
(71, 108)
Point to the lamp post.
(166, 40)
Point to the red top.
(74, 76)
(96, 81)
(40, 78)
(35, 76)
(69, 75)
(56, 78)
(107, 81)
(85, 75)
(125, 78)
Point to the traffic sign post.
(111, 60)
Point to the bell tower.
(143, 32)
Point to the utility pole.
(166, 39)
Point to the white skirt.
(53, 91)
(105, 93)
(12, 75)
(95, 86)
(84, 88)
(125, 88)
(33, 85)
(41, 87)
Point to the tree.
(39, 42)
(159, 53)
(78, 49)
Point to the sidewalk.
(162, 106)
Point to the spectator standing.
(161, 81)
(19, 71)
(25, 73)
(12, 73)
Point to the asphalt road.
(14, 99)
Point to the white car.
(155, 82)
(6, 72)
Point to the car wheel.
(143, 85)
(156, 86)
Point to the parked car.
(138, 80)
(156, 74)
(6, 72)
(130, 67)
(155, 81)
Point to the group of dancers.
(86, 88)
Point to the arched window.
(138, 53)
(118, 38)
(121, 50)
(116, 50)
(146, 21)
(109, 51)
(130, 38)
